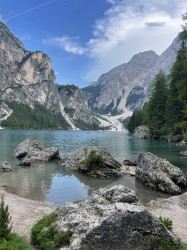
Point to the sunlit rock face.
(25, 77)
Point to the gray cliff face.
(25, 77)
(28, 78)
(76, 104)
(127, 86)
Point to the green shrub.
(14, 242)
(93, 161)
(45, 235)
(4, 220)
(167, 222)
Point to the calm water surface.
(50, 182)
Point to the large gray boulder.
(183, 153)
(5, 167)
(159, 174)
(106, 221)
(142, 132)
(75, 161)
(26, 147)
(32, 151)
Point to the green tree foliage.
(35, 117)
(4, 220)
(156, 105)
(135, 120)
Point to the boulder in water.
(159, 174)
(93, 161)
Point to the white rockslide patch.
(5, 117)
(114, 121)
(68, 119)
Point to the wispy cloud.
(24, 37)
(67, 43)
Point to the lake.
(50, 182)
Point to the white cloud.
(129, 27)
(67, 43)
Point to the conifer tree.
(4, 220)
(157, 103)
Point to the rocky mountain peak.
(126, 87)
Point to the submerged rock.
(103, 167)
(142, 132)
(159, 174)
(5, 167)
(106, 221)
(32, 151)
(183, 153)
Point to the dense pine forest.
(166, 111)
(35, 117)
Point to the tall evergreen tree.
(157, 103)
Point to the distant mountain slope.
(27, 78)
(126, 86)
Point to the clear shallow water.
(50, 182)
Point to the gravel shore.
(25, 213)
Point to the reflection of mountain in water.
(31, 182)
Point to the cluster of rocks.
(32, 151)
(112, 219)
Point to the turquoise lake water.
(50, 182)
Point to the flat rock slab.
(25, 212)
(5, 167)
(160, 174)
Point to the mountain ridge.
(125, 85)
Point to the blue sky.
(85, 38)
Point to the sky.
(86, 38)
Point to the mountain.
(126, 87)
(26, 78)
